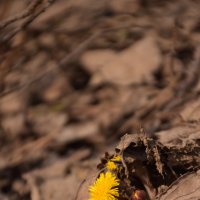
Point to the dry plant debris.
(146, 169)
(76, 75)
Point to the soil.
(85, 77)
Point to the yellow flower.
(116, 158)
(111, 165)
(105, 187)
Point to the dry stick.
(63, 63)
(11, 35)
(21, 16)
(25, 85)
(26, 22)
(85, 44)
(79, 188)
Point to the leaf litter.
(79, 76)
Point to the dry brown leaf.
(131, 66)
(179, 135)
(78, 132)
(191, 111)
(14, 125)
(186, 187)
(45, 121)
(124, 6)
(13, 103)
(54, 183)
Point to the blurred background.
(75, 76)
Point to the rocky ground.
(76, 76)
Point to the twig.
(80, 186)
(25, 85)
(21, 16)
(84, 45)
(26, 22)
(68, 58)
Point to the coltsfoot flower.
(105, 187)
(111, 165)
(116, 158)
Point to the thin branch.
(26, 22)
(79, 188)
(86, 43)
(21, 16)
(69, 57)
